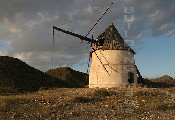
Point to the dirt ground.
(133, 103)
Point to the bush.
(97, 96)
(81, 99)
(43, 88)
(104, 93)
(2, 104)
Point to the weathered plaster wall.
(117, 62)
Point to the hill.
(161, 82)
(69, 75)
(164, 81)
(17, 76)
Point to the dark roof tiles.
(112, 34)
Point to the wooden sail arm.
(140, 76)
(75, 35)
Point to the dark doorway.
(130, 77)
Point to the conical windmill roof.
(113, 40)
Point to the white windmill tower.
(112, 61)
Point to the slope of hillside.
(17, 76)
(69, 75)
(164, 81)
(165, 78)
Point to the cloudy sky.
(26, 31)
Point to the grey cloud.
(27, 25)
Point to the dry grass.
(83, 103)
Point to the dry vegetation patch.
(84, 103)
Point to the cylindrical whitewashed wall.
(117, 62)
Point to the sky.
(26, 31)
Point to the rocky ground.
(96, 104)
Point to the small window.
(101, 42)
(130, 77)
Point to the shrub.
(43, 88)
(2, 104)
(81, 99)
(104, 93)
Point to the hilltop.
(17, 76)
(69, 75)
(164, 81)
(160, 82)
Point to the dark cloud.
(26, 26)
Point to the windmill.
(113, 62)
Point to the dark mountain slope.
(69, 75)
(17, 76)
